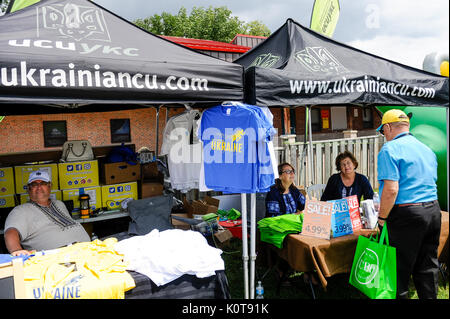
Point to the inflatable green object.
(429, 125)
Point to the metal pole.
(252, 243)
(244, 242)
(157, 131)
(310, 157)
(448, 203)
(167, 115)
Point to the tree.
(216, 24)
(257, 28)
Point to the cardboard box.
(113, 195)
(7, 181)
(205, 206)
(150, 170)
(23, 172)
(121, 172)
(223, 235)
(78, 174)
(55, 194)
(7, 201)
(178, 224)
(151, 189)
(95, 197)
(188, 208)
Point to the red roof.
(208, 45)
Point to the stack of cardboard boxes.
(152, 180)
(194, 209)
(7, 187)
(76, 178)
(13, 183)
(120, 182)
(69, 180)
(22, 173)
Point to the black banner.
(297, 66)
(78, 52)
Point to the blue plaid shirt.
(273, 207)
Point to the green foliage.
(216, 24)
(257, 28)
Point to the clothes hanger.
(232, 103)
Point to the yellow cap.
(392, 116)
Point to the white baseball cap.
(39, 176)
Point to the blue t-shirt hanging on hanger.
(265, 168)
(230, 135)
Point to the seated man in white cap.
(42, 223)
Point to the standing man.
(42, 223)
(407, 172)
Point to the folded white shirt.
(167, 255)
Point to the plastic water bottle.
(376, 202)
(259, 291)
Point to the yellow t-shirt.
(89, 270)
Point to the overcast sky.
(401, 30)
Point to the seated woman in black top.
(284, 197)
(347, 182)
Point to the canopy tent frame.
(157, 72)
(283, 70)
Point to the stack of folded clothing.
(231, 214)
(274, 229)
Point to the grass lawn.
(338, 286)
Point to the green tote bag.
(374, 268)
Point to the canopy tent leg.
(167, 115)
(252, 243)
(157, 130)
(448, 203)
(310, 180)
(244, 242)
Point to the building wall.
(25, 133)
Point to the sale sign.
(317, 219)
(353, 207)
(341, 224)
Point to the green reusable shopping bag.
(374, 268)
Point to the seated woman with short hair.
(347, 182)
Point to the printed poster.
(353, 207)
(317, 219)
(341, 224)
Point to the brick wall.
(25, 133)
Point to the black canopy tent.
(297, 66)
(76, 54)
(72, 56)
(60, 56)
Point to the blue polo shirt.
(413, 164)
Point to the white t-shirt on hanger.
(184, 158)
